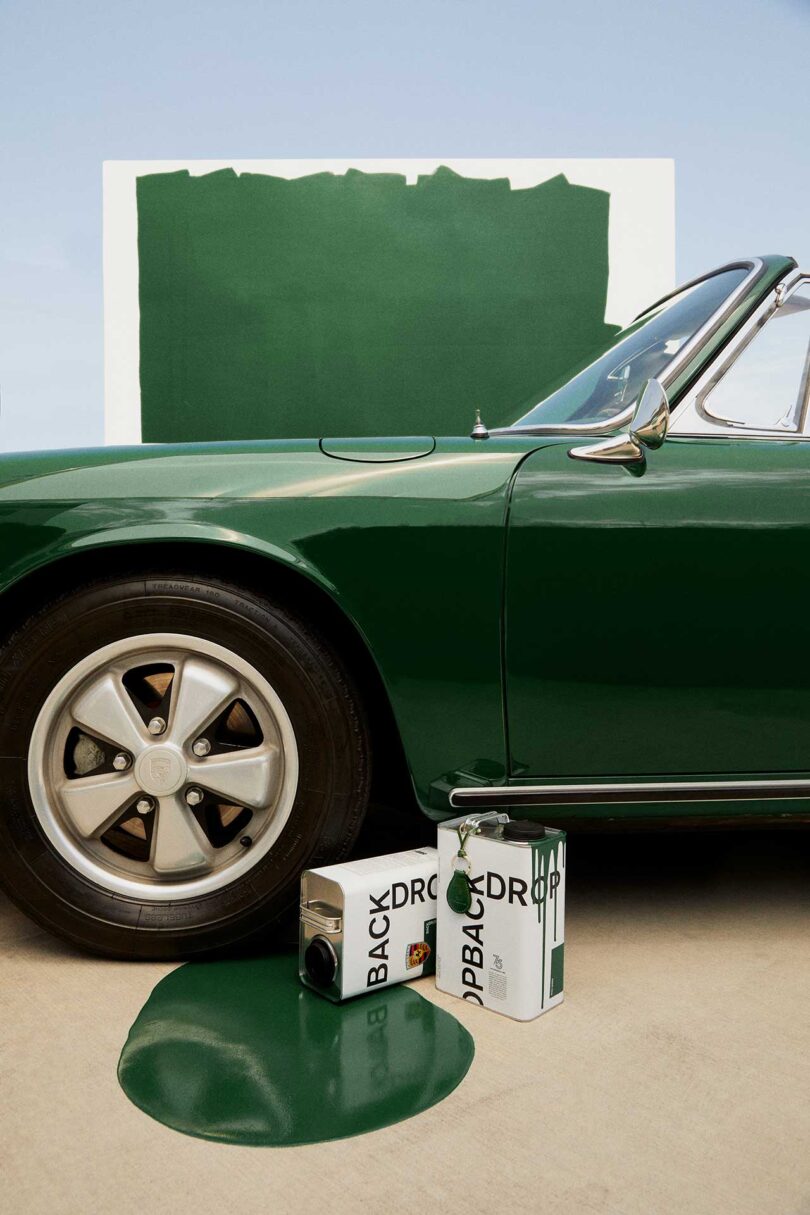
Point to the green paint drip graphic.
(240, 1052)
(538, 884)
(542, 859)
(541, 876)
(358, 304)
(556, 866)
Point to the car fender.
(411, 553)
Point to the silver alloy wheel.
(188, 847)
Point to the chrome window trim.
(755, 267)
(693, 282)
(781, 294)
(692, 420)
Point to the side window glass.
(767, 387)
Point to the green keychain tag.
(459, 894)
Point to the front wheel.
(175, 751)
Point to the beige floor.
(673, 1079)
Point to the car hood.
(26, 465)
(211, 470)
(22, 466)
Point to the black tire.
(331, 733)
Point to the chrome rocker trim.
(624, 794)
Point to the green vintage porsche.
(211, 651)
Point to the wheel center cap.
(160, 770)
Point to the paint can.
(367, 924)
(505, 952)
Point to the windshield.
(637, 354)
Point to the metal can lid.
(320, 962)
(523, 829)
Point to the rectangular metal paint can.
(368, 924)
(506, 952)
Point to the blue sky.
(723, 89)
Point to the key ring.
(464, 831)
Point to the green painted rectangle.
(358, 304)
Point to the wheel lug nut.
(201, 747)
(121, 761)
(246, 841)
(194, 796)
(157, 725)
(144, 805)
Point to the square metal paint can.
(506, 952)
(368, 924)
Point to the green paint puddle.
(240, 1052)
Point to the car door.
(654, 623)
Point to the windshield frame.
(755, 267)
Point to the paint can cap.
(523, 829)
(320, 962)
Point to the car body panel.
(408, 536)
(652, 617)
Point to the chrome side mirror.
(651, 419)
(647, 430)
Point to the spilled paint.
(359, 304)
(240, 1052)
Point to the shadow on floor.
(663, 863)
(627, 873)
